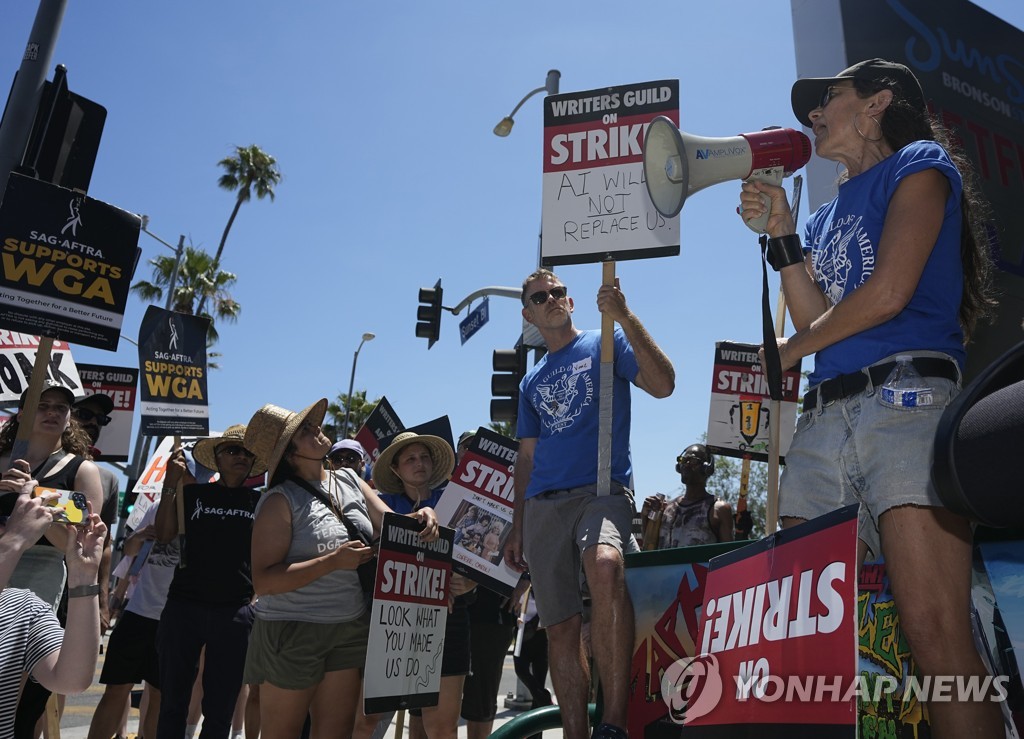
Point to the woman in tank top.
(308, 644)
(57, 457)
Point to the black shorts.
(490, 642)
(131, 655)
(455, 660)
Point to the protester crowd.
(266, 583)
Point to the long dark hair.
(284, 467)
(904, 123)
(74, 440)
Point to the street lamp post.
(504, 127)
(140, 450)
(530, 335)
(352, 381)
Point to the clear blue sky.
(380, 115)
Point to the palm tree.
(198, 279)
(250, 169)
(505, 428)
(361, 409)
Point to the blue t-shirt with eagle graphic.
(558, 406)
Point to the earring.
(861, 133)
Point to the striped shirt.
(29, 631)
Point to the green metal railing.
(548, 717)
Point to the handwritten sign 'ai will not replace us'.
(595, 201)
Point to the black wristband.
(784, 251)
(84, 591)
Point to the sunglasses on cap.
(84, 414)
(541, 296)
(690, 460)
(234, 450)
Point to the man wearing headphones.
(695, 517)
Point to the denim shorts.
(859, 450)
(557, 527)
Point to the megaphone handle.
(772, 176)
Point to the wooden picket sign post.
(35, 389)
(772, 508)
(741, 501)
(604, 427)
(774, 429)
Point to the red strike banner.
(778, 637)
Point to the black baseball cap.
(102, 401)
(807, 92)
(50, 385)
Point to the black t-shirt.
(218, 541)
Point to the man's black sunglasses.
(84, 414)
(541, 296)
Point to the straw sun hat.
(271, 429)
(205, 450)
(385, 479)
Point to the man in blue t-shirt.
(556, 483)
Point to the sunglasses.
(84, 414)
(234, 450)
(830, 92)
(691, 461)
(541, 296)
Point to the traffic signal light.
(509, 368)
(127, 503)
(428, 315)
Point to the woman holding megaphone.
(884, 293)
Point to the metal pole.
(27, 89)
(174, 272)
(348, 398)
(351, 382)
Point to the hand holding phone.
(73, 506)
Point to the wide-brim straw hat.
(271, 429)
(441, 452)
(205, 450)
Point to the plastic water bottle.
(904, 387)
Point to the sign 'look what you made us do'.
(408, 617)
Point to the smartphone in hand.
(74, 508)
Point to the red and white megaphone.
(678, 164)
